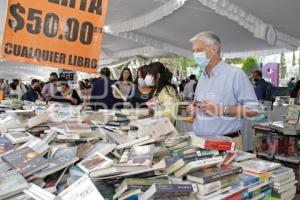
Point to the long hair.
(143, 73)
(130, 75)
(165, 76)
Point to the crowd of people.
(151, 82)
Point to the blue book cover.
(248, 180)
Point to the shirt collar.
(216, 70)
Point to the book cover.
(187, 157)
(5, 145)
(293, 114)
(18, 137)
(242, 156)
(56, 164)
(259, 166)
(141, 155)
(158, 191)
(82, 189)
(291, 150)
(212, 143)
(94, 162)
(25, 160)
(199, 164)
(248, 180)
(209, 175)
(11, 182)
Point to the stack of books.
(284, 184)
(257, 176)
(126, 154)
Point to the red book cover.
(221, 145)
(291, 146)
(235, 196)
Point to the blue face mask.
(201, 59)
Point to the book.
(159, 191)
(175, 163)
(137, 183)
(214, 194)
(11, 183)
(209, 175)
(258, 166)
(247, 180)
(36, 192)
(37, 145)
(94, 162)
(285, 195)
(282, 173)
(78, 128)
(82, 189)
(56, 164)
(285, 187)
(4, 167)
(162, 128)
(114, 170)
(262, 176)
(25, 160)
(199, 164)
(132, 142)
(136, 112)
(212, 143)
(285, 182)
(242, 156)
(293, 115)
(130, 194)
(5, 145)
(103, 148)
(18, 137)
(53, 180)
(141, 156)
(42, 117)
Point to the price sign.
(65, 34)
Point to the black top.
(138, 99)
(60, 98)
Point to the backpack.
(268, 91)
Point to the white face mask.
(141, 82)
(59, 89)
(149, 80)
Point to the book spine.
(219, 145)
(222, 174)
(176, 189)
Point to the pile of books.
(268, 180)
(284, 184)
(127, 154)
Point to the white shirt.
(188, 92)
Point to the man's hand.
(211, 109)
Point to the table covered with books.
(64, 152)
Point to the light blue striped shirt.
(229, 86)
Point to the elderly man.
(224, 94)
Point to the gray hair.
(210, 38)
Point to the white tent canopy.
(163, 27)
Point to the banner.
(64, 34)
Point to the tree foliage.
(283, 66)
(249, 65)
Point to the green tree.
(249, 65)
(294, 59)
(282, 66)
(234, 60)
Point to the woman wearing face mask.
(64, 94)
(142, 92)
(159, 77)
(33, 93)
(124, 84)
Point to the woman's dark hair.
(143, 73)
(165, 76)
(130, 75)
(13, 86)
(63, 81)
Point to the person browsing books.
(224, 94)
(65, 94)
(165, 93)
